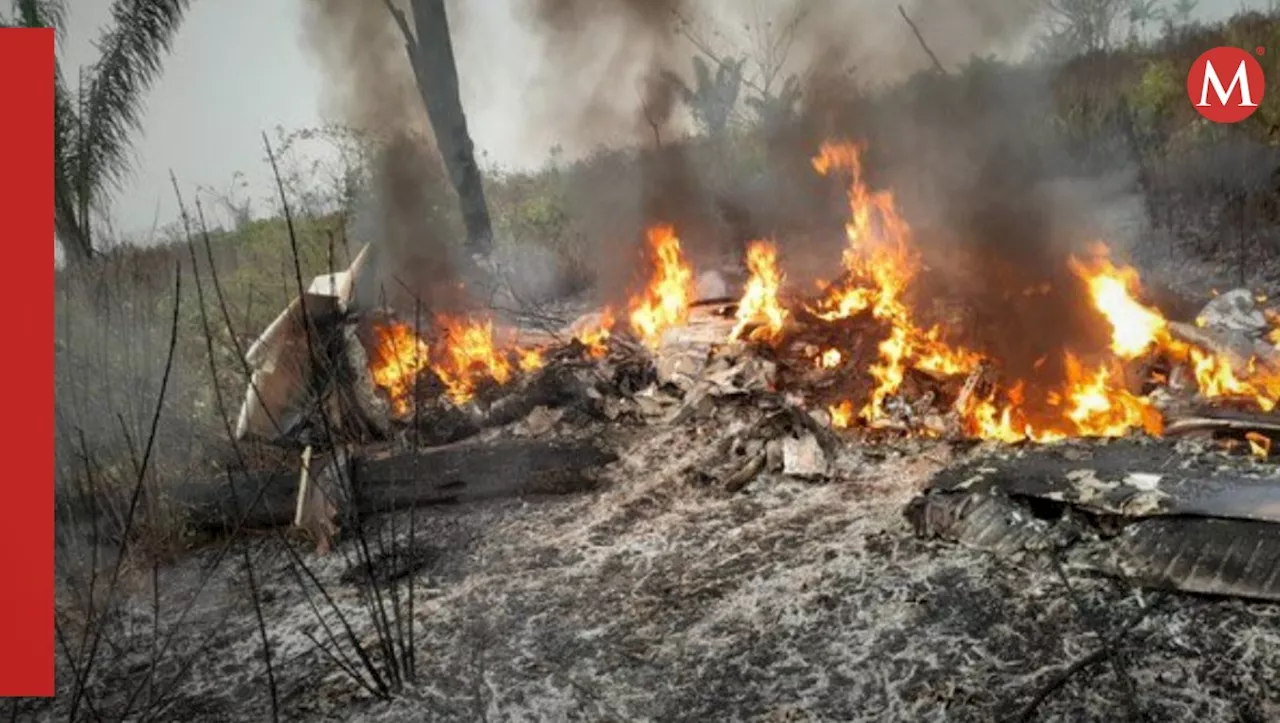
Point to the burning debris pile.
(794, 381)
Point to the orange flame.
(879, 264)
(596, 337)
(465, 356)
(1137, 328)
(670, 293)
(397, 359)
(530, 360)
(1259, 444)
(841, 414)
(1134, 327)
(469, 357)
(760, 297)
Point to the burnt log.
(558, 386)
(386, 480)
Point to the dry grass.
(656, 599)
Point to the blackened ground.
(656, 599)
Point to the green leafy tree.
(94, 123)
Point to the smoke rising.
(408, 214)
(965, 154)
(370, 84)
(602, 63)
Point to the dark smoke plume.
(637, 41)
(969, 159)
(631, 102)
(404, 215)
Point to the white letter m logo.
(1241, 78)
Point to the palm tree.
(94, 124)
(1181, 10)
(1142, 13)
(1083, 26)
(712, 98)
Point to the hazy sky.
(241, 67)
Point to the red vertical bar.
(26, 483)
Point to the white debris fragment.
(1088, 487)
(1145, 481)
(541, 421)
(1235, 310)
(803, 457)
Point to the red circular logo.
(1226, 85)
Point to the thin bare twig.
(916, 31)
(142, 466)
(1110, 650)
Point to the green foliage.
(1157, 102)
(541, 217)
(1160, 86)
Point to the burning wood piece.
(1255, 430)
(1231, 345)
(1206, 525)
(1259, 444)
(557, 388)
(665, 302)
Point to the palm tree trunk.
(431, 54)
(76, 246)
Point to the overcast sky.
(241, 67)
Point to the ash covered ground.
(659, 598)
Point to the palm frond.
(40, 14)
(133, 48)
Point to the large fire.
(760, 302)
(471, 356)
(666, 300)
(1095, 397)
(879, 264)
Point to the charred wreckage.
(1148, 459)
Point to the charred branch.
(385, 480)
